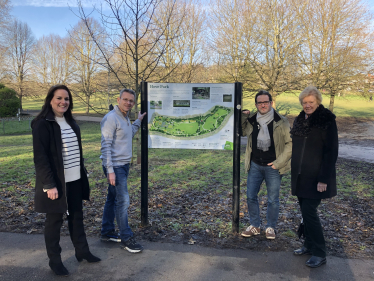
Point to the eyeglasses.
(128, 101)
(263, 103)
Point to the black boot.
(58, 268)
(88, 257)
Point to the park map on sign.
(191, 126)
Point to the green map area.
(191, 126)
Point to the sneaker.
(270, 233)
(251, 231)
(132, 246)
(111, 236)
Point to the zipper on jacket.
(302, 155)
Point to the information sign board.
(193, 116)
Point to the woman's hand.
(52, 193)
(246, 112)
(321, 187)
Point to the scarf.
(263, 138)
(321, 118)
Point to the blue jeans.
(117, 203)
(256, 175)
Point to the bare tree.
(272, 41)
(184, 54)
(20, 42)
(337, 45)
(5, 17)
(88, 57)
(227, 25)
(256, 43)
(135, 42)
(52, 63)
(194, 37)
(5, 20)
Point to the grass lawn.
(14, 126)
(190, 193)
(287, 104)
(79, 107)
(348, 106)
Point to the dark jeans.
(54, 222)
(314, 239)
(256, 175)
(117, 203)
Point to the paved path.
(88, 118)
(23, 257)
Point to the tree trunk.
(274, 97)
(88, 104)
(332, 99)
(20, 101)
(20, 97)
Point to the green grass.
(347, 106)
(173, 169)
(98, 101)
(9, 127)
(350, 105)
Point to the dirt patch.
(203, 217)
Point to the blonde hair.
(310, 91)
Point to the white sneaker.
(270, 233)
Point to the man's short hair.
(127, 91)
(311, 91)
(263, 92)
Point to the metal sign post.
(144, 158)
(236, 158)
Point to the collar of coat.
(321, 118)
(50, 116)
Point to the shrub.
(9, 102)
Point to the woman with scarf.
(313, 173)
(61, 179)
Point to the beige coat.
(282, 141)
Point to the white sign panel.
(194, 116)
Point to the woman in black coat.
(61, 179)
(313, 173)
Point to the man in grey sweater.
(116, 152)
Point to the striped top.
(70, 151)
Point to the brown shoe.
(270, 233)
(251, 231)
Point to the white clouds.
(55, 3)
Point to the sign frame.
(236, 156)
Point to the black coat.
(49, 167)
(314, 154)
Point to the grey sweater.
(116, 139)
